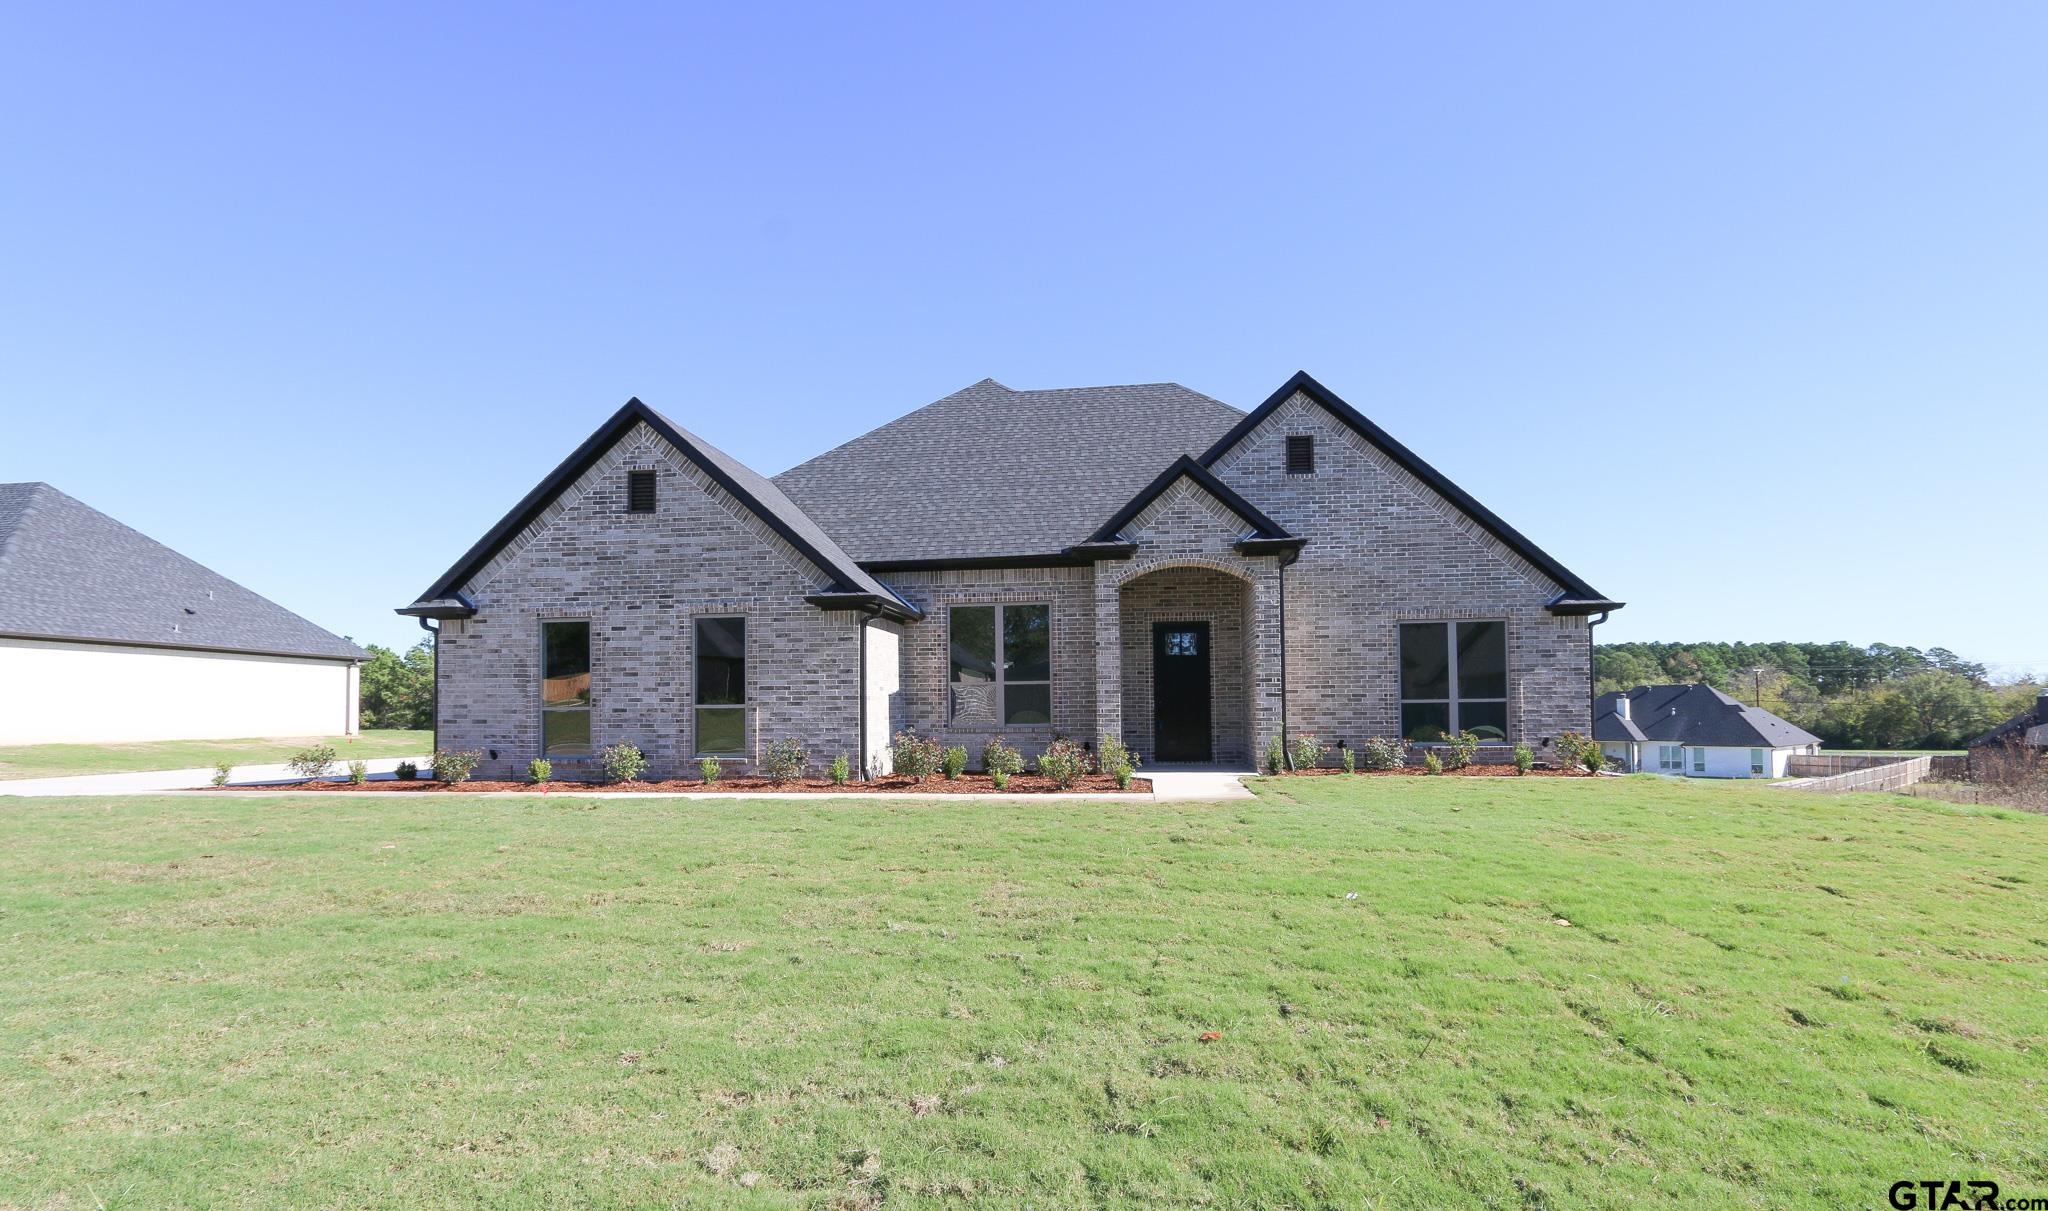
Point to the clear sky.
(1738, 311)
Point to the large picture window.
(1002, 664)
(721, 654)
(565, 689)
(1454, 678)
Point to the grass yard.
(66, 760)
(1760, 999)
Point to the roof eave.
(874, 603)
(1270, 546)
(455, 605)
(1567, 605)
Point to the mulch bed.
(966, 784)
(1416, 771)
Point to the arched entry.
(1187, 661)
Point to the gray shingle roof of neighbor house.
(70, 572)
(989, 472)
(851, 586)
(1698, 715)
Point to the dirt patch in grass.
(965, 784)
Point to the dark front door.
(1180, 691)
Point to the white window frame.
(746, 703)
(1003, 680)
(1759, 763)
(1456, 725)
(1671, 758)
(1699, 760)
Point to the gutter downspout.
(1286, 746)
(860, 638)
(426, 624)
(1592, 674)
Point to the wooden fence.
(1879, 774)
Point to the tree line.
(398, 688)
(1875, 697)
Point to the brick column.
(1109, 656)
(1262, 627)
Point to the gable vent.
(1301, 455)
(639, 491)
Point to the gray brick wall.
(642, 580)
(1189, 594)
(1384, 549)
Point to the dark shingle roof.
(68, 571)
(1692, 714)
(988, 471)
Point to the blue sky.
(1707, 302)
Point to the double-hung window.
(1759, 763)
(1002, 664)
(1454, 678)
(1699, 761)
(1671, 758)
(565, 689)
(720, 656)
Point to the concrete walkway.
(1170, 784)
(149, 782)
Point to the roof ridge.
(887, 425)
(11, 540)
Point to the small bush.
(709, 769)
(1525, 759)
(222, 771)
(312, 762)
(784, 760)
(1065, 762)
(1459, 748)
(1383, 754)
(841, 770)
(358, 772)
(1580, 752)
(540, 769)
(1349, 759)
(1431, 763)
(456, 765)
(1116, 760)
(621, 762)
(1308, 750)
(915, 756)
(1000, 761)
(1276, 756)
(954, 763)
(406, 771)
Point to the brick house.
(1141, 561)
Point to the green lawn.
(64, 760)
(1761, 998)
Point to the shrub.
(222, 771)
(784, 760)
(406, 771)
(1525, 760)
(1432, 764)
(709, 769)
(915, 756)
(1579, 751)
(1349, 759)
(842, 769)
(1276, 756)
(540, 769)
(1116, 760)
(1063, 761)
(312, 762)
(1308, 750)
(1000, 761)
(954, 763)
(1383, 754)
(621, 762)
(358, 772)
(456, 765)
(1459, 748)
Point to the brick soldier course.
(1114, 508)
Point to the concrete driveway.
(143, 782)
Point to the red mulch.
(1416, 771)
(966, 784)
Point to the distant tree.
(398, 691)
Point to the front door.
(1180, 691)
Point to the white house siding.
(52, 692)
(882, 696)
(1721, 762)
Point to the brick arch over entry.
(1194, 590)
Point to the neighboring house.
(2027, 729)
(1137, 561)
(1695, 731)
(106, 635)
